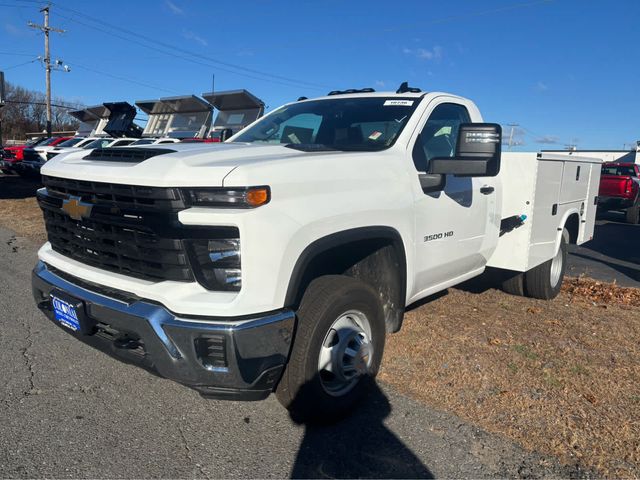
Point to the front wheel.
(337, 349)
(545, 280)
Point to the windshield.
(99, 143)
(34, 142)
(70, 143)
(354, 124)
(48, 141)
(144, 141)
(620, 170)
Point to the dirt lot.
(559, 377)
(18, 207)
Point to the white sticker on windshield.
(398, 103)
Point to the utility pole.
(2, 100)
(47, 58)
(513, 127)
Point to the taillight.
(628, 186)
(20, 154)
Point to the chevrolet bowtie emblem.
(76, 209)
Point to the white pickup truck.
(279, 260)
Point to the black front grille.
(132, 198)
(117, 244)
(128, 229)
(131, 230)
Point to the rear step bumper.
(235, 359)
(615, 203)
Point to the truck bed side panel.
(548, 189)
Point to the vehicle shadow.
(617, 240)
(16, 187)
(359, 446)
(615, 245)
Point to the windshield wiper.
(311, 147)
(359, 148)
(319, 147)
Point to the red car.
(620, 189)
(16, 153)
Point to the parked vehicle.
(45, 147)
(280, 260)
(14, 154)
(191, 119)
(72, 145)
(31, 166)
(154, 141)
(179, 117)
(236, 110)
(620, 189)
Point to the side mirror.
(478, 152)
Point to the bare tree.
(24, 112)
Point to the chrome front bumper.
(236, 358)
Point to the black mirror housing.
(478, 152)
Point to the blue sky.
(566, 70)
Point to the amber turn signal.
(257, 196)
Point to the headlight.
(216, 263)
(238, 197)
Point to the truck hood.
(183, 164)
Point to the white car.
(33, 166)
(154, 141)
(279, 260)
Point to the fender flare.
(562, 225)
(344, 238)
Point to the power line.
(57, 105)
(208, 62)
(19, 54)
(186, 54)
(124, 79)
(20, 64)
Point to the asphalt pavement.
(612, 256)
(68, 411)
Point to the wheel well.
(375, 257)
(573, 227)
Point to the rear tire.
(545, 280)
(514, 284)
(337, 349)
(633, 215)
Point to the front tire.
(545, 280)
(337, 350)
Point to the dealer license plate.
(65, 313)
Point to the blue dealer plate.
(65, 314)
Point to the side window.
(440, 134)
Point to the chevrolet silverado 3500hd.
(279, 260)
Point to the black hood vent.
(126, 154)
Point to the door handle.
(486, 190)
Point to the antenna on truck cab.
(404, 88)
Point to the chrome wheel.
(346, 353)
(556, 268)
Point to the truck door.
(451, 224)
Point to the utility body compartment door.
(450, 225)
